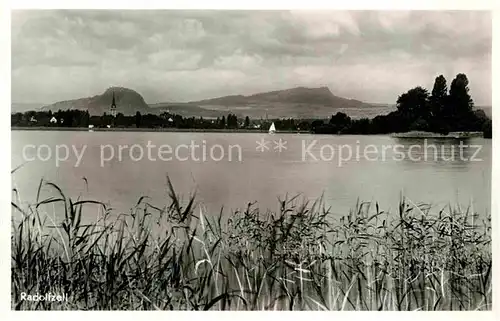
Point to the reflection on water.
(445, 153)
(264, 176)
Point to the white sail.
(272, 129)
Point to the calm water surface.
(260, 176)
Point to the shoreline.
(412, 134)
(131, 129)
(424, 134)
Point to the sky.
(177, 56)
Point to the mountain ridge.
(297, 102)
(128, 102)
(292, 102)
(304, 95)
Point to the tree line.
(79, 118)
(439, 111)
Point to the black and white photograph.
(251, 160)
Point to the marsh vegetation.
(179, 257)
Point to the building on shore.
(113, 106)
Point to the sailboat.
(272, 129)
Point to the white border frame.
(5, 192)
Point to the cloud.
(239, 61)
(190, 55)
(169, 60)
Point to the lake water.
(304, 165)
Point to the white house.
(53, 120)
(91, 126)
(33, 119)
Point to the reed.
(178, 257)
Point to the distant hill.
(299, 95)
(128, 102)
(23, 107)
(299, 102)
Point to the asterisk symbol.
(262, 145)
(280, 145)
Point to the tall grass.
(299, 258)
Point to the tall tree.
(86, 119)
(339, 122)
(438, 106)
(460, 101)
(138, 119)
(232, 121)
(438, 96)
(247, 122)
(460, 104)
(414, 104)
